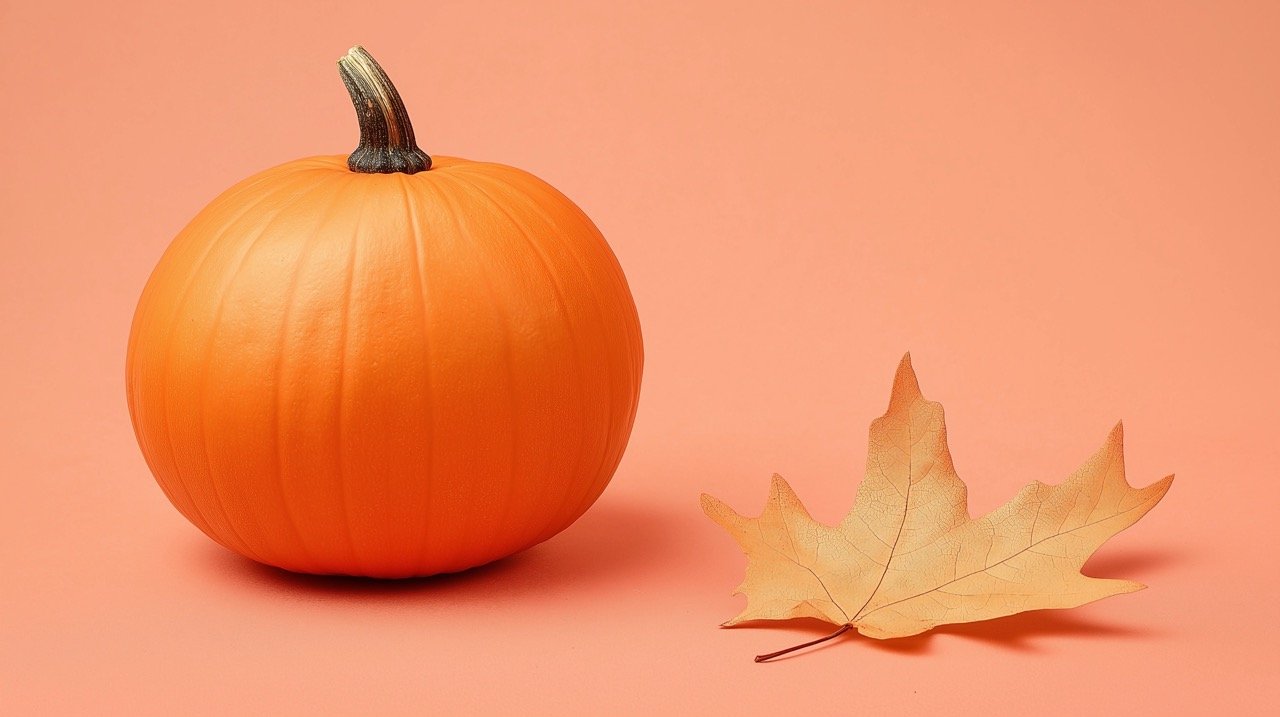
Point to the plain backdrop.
(1068, 213)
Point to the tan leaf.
(908, 557)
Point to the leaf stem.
(843, 629)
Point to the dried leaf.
(908, 557)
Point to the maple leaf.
(908, 557)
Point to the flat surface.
(1066, 212)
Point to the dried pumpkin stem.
(386, 135)
(843, 629)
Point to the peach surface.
(1067, 212)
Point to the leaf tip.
(783, 497)
(1117, 433)
(906, 387)
(720, 513)
(711, 505)
(1130, 586)
(1160, 487)
(1114, 445)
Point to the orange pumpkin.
(384, 364)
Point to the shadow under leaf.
(1132, 564)
(1015, 632)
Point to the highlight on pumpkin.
(383, 371)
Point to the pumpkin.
(385, 364)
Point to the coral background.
(1067, 211)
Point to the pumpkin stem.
(843, 629)
(386, 135)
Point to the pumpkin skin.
(385, 375)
